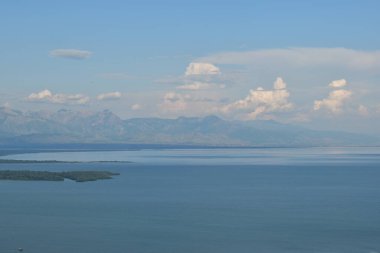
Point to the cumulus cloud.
(338, 83)
(201, 68)
(45, 94)
(334, 102)
(260, 102)
(301, 57)
(279, 84)
(198, 76)
(75, 54)
(109, 96)
(48, 96)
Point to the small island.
(77, 176)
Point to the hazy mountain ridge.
(65, 126)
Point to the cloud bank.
(75, 54)
(48, 96)
(301, 57)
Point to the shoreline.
(35, 175)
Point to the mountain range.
(19, 128)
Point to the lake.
(320, 200)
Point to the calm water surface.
(249, 200)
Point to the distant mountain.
(71, 127)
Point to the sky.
(314, 63)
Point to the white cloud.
(198, 76)
(199, 86)
(174, 101)
(334, 102)
(363, 110)
(300, 57)
(336, 99)
(48, 96)
(45, 94)
(260, 102)
(109, 96)
(338, 83)
(201, 68)
(136, 107)
(279, 84)
(75, 54)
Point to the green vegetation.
(78, 176)
(83, 176)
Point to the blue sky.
(132, 57)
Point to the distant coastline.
(15, 161)
(11, 161)
(77, 176)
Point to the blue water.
(265, 201)
(271, 156)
